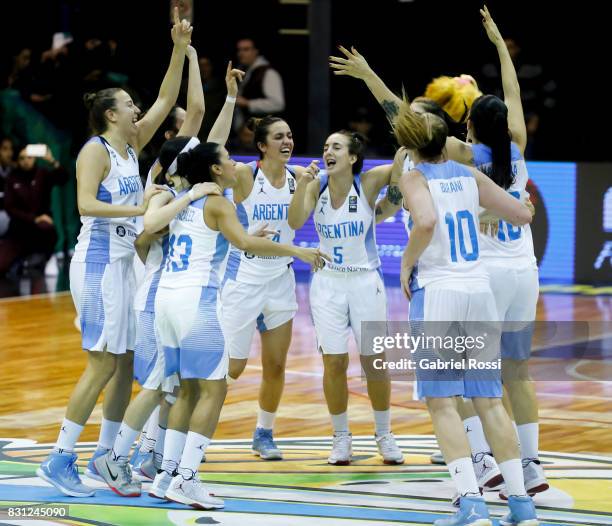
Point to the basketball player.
(259, 292)
(186, 315)
(443, 276)
(149, 363)
(497, 138)
(110, 197)
(350, 289)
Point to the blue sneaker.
(264, 446)
(59, 470)
(522, 512)
(472, 512)
(91, 470)
(138, 457)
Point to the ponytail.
(489, 116)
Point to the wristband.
(191, 195)
(229, 98)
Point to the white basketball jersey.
(513, 246)
(347, 234)
(196, 254)
(453, 253)
(265, 205)
(107, 239)
(408, 166)
(144, 299)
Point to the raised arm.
(219, 214)
(223, 125)
(510, 84)
(496, 200)
(91, 168)
(170, 86)
(195, 97)
(305, 197)
(164, 208)
(418, 200)
(355, 65)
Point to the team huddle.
(216, 241)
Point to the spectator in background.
(20, 76)
(6, 167)
(261, 93)
(27, 200)
(538, 91)
(214, 95)
(361, 121)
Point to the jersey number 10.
(456, 227)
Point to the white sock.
(142, 438)
(528, 438)
(195, 446)
(462, 473)
(229, 380)
(476, 436)
(148, 443)
(158, 450)
(512, 471)
(173, 449)
(68, 435)
(265, 420)
(108, 433)
(382, 422)
(340, 423)
(123, 442)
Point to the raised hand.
(202, 189)
(311, 172)
(354, 65)
(181, 30)
(232, 77)
(491, 27)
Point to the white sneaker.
(160, 485)
(487, 472)
(388, 449)
(535, 479)
(193, 493)
(342, 449)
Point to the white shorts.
(103, 294)
(188, 326)
(440, 309)
(516, 296)
(149, 360)
(245, 306)
(339, 302)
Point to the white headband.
(191, 144)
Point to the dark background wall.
(408, 43)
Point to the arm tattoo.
(391, 108)
(378, 210)
(394, 195)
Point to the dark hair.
(195, 165)
(455, 129)
(356, 146)
(489, 116)
(167, 154)
(260, 127)
(97, 103)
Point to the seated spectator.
(6, 167)
(27, 198)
